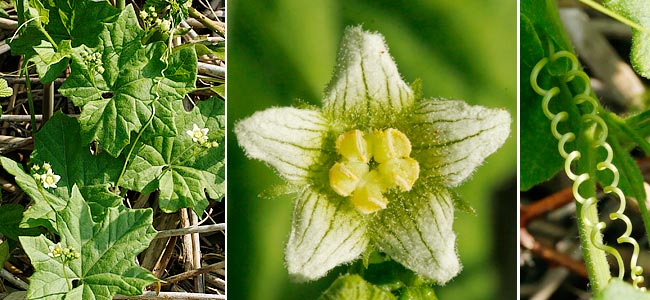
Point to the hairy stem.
(595, 259)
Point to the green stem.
(121, 4)
(595, 259)
(65, 274)
(135, 142)
(613, 14)
(49, 38)
(30, 99)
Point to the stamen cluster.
(370, 165)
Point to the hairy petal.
(451, 138)
(366, 83)
(288, 139)
(325, 233)
(416, 231)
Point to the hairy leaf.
(59, 143)
(183, 170)
(354, 287)
(42, 210)
(68, 23)
(637, 11)
(11, 216)
(107, 253)
(618, 289)
(540, 31)
(133, 82)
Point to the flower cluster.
(152, 19)
(374, 167)
(200, 136)
(93, 60)
(45, 175)
(64, 254)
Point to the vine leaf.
(540, 29)
(119, 100)
(354, 287)
(179, 80)
(11, 216)
(69, 23)
(183, 170)
(107, 253)
(618, 289)
(42, 210)
(637, 11)
(59, 143)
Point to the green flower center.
(370, 165)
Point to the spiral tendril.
(591, 117)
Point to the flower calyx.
(370, 165)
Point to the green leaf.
(50, 62)
(120, 100)
(108, 249)
(42, 210)
(4, 251)
(637, 11)
(179, 80)
(74, 23)
(618, 289)
(183, 170)
(541, 30)
(5, 90)
(418, 293)
(59, 143)
(353, 287)
(11, 216)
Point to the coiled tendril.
(592, 117)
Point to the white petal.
(324, 234)
(451, 138)
(366, 83)
(289, 139)
(416, 231)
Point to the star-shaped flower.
(199, 135)
(373, 166)
(49, 179)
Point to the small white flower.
(165, 25)
(143, 14)
(47, 166)
(55, 250)
(199, 135)
(50, 179)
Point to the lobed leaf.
(59, 143)
(108, 248)
(135, 83)
(45, 203)
(11, 216)
(638, 11)
(69, 23)
(183, 170)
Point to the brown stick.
(189, 274)
(550, 254)
(545, 205)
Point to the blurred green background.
(280, 51)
